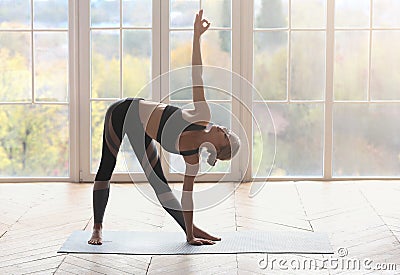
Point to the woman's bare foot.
(198, 233)
(96, 238)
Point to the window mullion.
(330, 46)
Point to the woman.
(179, 131)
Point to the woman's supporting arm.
(187, 205)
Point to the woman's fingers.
(204, 21)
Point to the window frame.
(73, 107)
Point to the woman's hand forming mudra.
(199, 22)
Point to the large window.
(120, 65)
(326, 70)
(329, 72)
(34, 89)
(366, 89)
(290, 77)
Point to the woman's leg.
(112, 137)
(150, 162)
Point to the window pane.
(217, 84)
(221, 115)
(270, 64)
(105, 13)
(180, 85)
(136, 62)
(180, 56)
(35, 141)
(218, 12)
(181, 49)
(16, 65)
(263, 140)
(308, 13)
(351, 65)
(386, 13)
(105, 64)
(182, 13)
(385, 73)
(352, 14)
(216, 49)
(51, 66)
(137, 13)
(308, 65)
(15, 14)
(300, 139)
(366, 140)
(271, 14)
(126, 158)
(218, 54)
(50, 14)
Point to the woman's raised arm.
(200, 103)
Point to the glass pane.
(51, 66)
(263, 140)
(351, 65)
(137, 13)
(183, 12)
(300, 139)
(16, 65)
(180, 85)
(221, 115)
(308, 13)
(136, 62)
(35, 141)
(50, 14)
(105, 64)
(386, 13)
(215, 46)
(15, 14)
(264, 18)
(217, 86)
(270, 64)
(366, 140)
(181, 49)
(385, 74)
(180, 56)
(105, 13)
(126, 158)
(216, 52)
(216, 49)
(352, 14)
(308, 65)
(218, 12)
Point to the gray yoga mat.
(173, 243)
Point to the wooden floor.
(36, 218)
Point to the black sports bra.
(171, 126)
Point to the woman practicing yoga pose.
(179, 131)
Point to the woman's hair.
(227, 152)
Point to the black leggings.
(146, 152)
